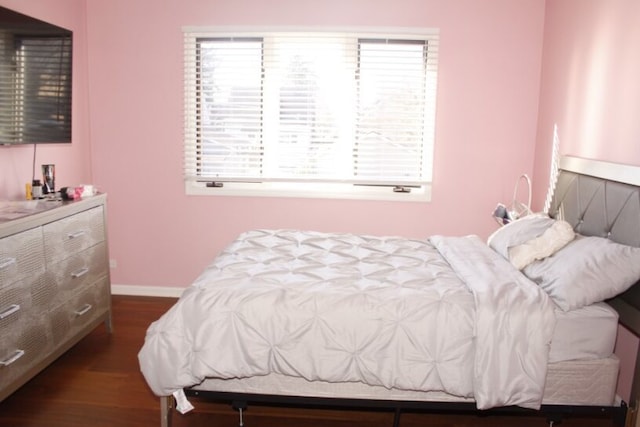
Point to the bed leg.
(396, 417)
(240, 406)
(554, 419)
(166, 409)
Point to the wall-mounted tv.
(35, 80)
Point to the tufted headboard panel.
(603, 199)
(598, 207)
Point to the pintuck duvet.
(442, 314)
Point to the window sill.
(307, 190)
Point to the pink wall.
(485, 137)
(73, 161)
(590, 84)
(590, 89)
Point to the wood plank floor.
(98, 384)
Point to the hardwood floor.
(98, 383)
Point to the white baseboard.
(147, 291)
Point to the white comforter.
(447, 314)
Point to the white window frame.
(332, 190)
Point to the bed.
(445, 323)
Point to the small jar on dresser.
(54, 282)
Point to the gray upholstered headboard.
(596, 206)
(603, 199)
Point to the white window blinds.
(355, 109)
(391, 106)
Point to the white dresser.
(54, 285)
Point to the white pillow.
(586, 271)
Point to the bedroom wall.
(590, 86)
(488, 90)
(73, 161)
(590, 89)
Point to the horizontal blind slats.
(307, 107)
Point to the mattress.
(584, 334)
(584, 382)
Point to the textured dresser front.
(54, 287)
(25, 338)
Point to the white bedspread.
(447, 314)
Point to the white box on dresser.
(54, 285)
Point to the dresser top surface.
(14, 209)
(16, 216)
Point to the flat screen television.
(35, 80)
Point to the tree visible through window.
(309, 108)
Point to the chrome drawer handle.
(9, 311)
(76, 234)
(17, 355)
(79, 273)
(85, 308)
(6, 262)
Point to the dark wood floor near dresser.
(98, 384)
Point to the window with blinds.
(314, 114)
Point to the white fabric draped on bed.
(444, 314)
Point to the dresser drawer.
(31, 293)
(79, 270)
(21, 255)
(17, 304)
(21, 350)
(73, 234)
(70, 317)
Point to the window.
(310, 114)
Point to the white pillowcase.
(586, 271)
